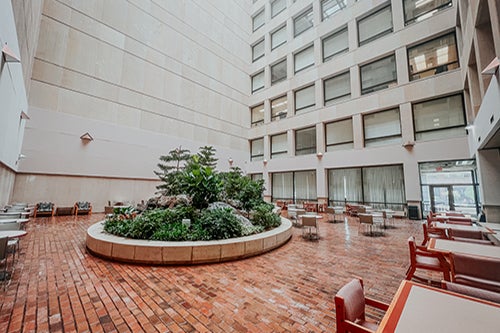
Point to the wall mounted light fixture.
(319, 155)
(409, 144)
(492, 68)
(9, 55)
(264, 162)
(86, 138)
(24, 116)
(230, 161)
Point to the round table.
(12, 233)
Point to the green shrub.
(263, 216)
(220, 224)
(176, 231)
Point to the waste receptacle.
(413, 213)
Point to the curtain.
(345, 184)
(282, 187)
(305, 185)
(384, 185)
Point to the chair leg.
(410, 272)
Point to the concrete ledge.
(117, 248)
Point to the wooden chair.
(475, 271)
(420, 258)
(82, 207)
(430, 232)
(367, 221)
(350, 304)
(309, 222)
(44, 208)
(469, 236)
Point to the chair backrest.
(3, 247)
(350, 303)
(365, 218)
(471, 291)
(413, 250)
(10, 226)
(300, 211)
(44, 206)
(330, 210)
(308, 221)
(454, 214)
(472, 234)
(83, 205)
(475, 266)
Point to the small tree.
(171, 169)
(202, 183)
(206, 157)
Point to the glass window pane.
(330, 7)
(279, 145)
(439, 118)
(277, 6)
(337, 87)
(279, 108)
(278, 37)
(382, 128)
(258, 50)
(303, 22)
(335, 44)
(282, 184)
(339, 135)
(305, 141)
(304, 99)
(257, 149)
(378, 75)
(278, 72)
(419, 10)
(257, 81)
(258, 20)
(305, 185)
(375, 25)
(257, 115)
(344, 185)
(384, 185)
(304, 59)
(433, 57)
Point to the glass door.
(441, 198)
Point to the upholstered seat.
(476, 271)
(82, 207)
(471, 291)
(350, 303)
(44, 208)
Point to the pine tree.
(206, 157)
(172, 166)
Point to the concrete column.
(402, 66)
(291, 142)
(357, 128)
(406, 116)
(352, 32)
(355, 82)
(398, 18)
(488, 161)
(290, 97)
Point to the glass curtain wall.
(379, 187)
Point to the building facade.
(370, 101)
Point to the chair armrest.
(355, 328)
(376, 303)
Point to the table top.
(419, 308)
(14, 213)
(492, 226)
(446, 246)
(316, 216)
(14, 221)
(13, 233)
(474, 227)
(456, 218)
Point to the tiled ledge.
(124, 249)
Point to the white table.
(474, 227)
(446, 247)
(12, 233)
(418, 308)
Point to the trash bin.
(413, 213)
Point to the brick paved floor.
(58, 287)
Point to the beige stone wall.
(66, 190)
(7, 177)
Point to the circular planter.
(139, 251)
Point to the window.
(278, 37)
(304, 59)
(256, 176)
(337, 88)
(258, 50)
(277, 6)
(419, 10)
(379, 187)
(279, 108)
(294, 186)
(378, 75)
(382, 128)
(257, 149)
(278, 72)
(303, 22)
(330, 7)
(375, 25)
(439, 118)
(305, 141)
(339, 135)
(304, 99)
(433, 57)
(257, 115)
(258, 20)
(334, 44)
(279, 145)
(257, 81)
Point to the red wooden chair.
(430, 232)
(475, 271)
(350, 303)
(422, 259)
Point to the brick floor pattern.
(58, 287)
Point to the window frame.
(275, 31)
(263, 81)
(340, 97)
(332, 35)
(436, 68)
(256, 157)
(260, 12)
(280, 152)
(273, 14)
(380, 34)
(303, 50)
(279, 62)
(307, 106)
(305, 13)
(323, 17)
(278, 117)
(254, 59)
(437, 9)
(382, 137)
(387, 83)
(327, 145)
(259, 122)
(306, 150)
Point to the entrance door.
(441, 198)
